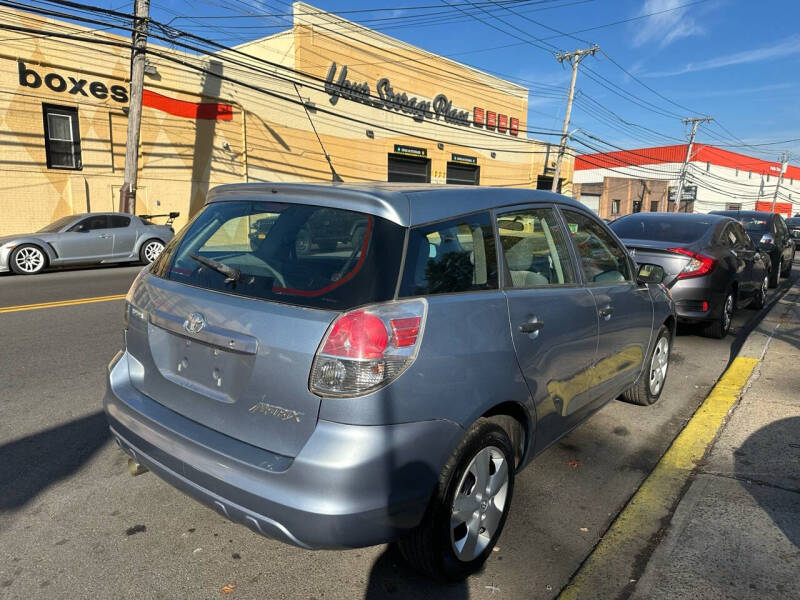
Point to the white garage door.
(591, 201)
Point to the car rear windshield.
(293, 253)
(661, 229)
(754, 224)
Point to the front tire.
(150, 251)
(28, 259)
(648, 389)
(469, 507)
(720, 327)
(761, 296)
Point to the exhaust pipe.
(135, 468)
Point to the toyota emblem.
(194, 323)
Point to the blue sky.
(733, 59)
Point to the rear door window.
(117, 221)
(295, 253)
(534, 249)
(603, 260)
(451, 256)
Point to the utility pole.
(127, 193)
(695, 121)
(574, 58)
(784, 164)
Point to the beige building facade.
(269, 110)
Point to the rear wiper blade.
(231, 275)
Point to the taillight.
(367, 348)
(699, 265)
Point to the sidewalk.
(736, 530)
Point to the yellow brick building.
(383, 110)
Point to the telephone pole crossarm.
(695, 121)
(574, 58)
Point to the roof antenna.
(334, 175)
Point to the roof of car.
(660, 216)
(742, 213)
(403, 203)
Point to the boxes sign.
(502, 123)
(514, 128)
(491, 119)
(478, 116)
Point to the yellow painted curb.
(657, 495)
(10, 309)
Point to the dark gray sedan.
(91, 238)
(388, 386)
(712, 267)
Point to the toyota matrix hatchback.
(389, 384)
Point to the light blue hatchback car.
(340, 366)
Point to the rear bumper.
(350, 486)
(689, 295)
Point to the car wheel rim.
(658, 365)
(479, 503)
(727, 313)
(152, 250)
(29, 260)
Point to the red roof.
(676, 154)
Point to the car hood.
(4, 239)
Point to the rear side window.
(119, 221)
(451, 256)
(602, 258)
(294, 253)
(91, 223)
(534, 248)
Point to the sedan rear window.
(294, 253)
(661, 229)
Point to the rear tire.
(720, 327)
(788, 270)
(468, 509)
(775, 274)
(761, 296)
(150, 250)
(27, 259)
(651, 382)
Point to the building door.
(463, 174)
(409, 169)
(592, 202)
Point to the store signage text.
(410, 150)
(440, 108)
(463, 158)
(28, 77)
(688, 194)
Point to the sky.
(661, 60)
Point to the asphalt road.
(74, 523)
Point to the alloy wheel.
(29, 259)
(727, 313)
(152, 250)
(658, 365)
(479, 503)
(764, 286)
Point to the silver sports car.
(89, 238)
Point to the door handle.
(531, 327)
(606, 312)
(105, 235)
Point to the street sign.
(689, 193)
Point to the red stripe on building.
(212, 111)
(784, 208)
(676, 154)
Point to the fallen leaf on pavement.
(574, 463)
(584, 529)
(496, 549)
(228, 588)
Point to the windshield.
(662, 229)
(295, 253)
(57, 225)
(754, 224)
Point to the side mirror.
(650, 274)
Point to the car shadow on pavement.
(32, 463)
(391, 577)
(781, 438)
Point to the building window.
(654, 206)
(637, 206)
(62, 137)
(734, 206)
(615, 207)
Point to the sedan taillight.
(699, 265)
(366, 349)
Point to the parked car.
(794, 229)
(89, 238)
(770, 234)
(390, 392)
(712, 267)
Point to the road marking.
(20, 307)
(654, 500)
